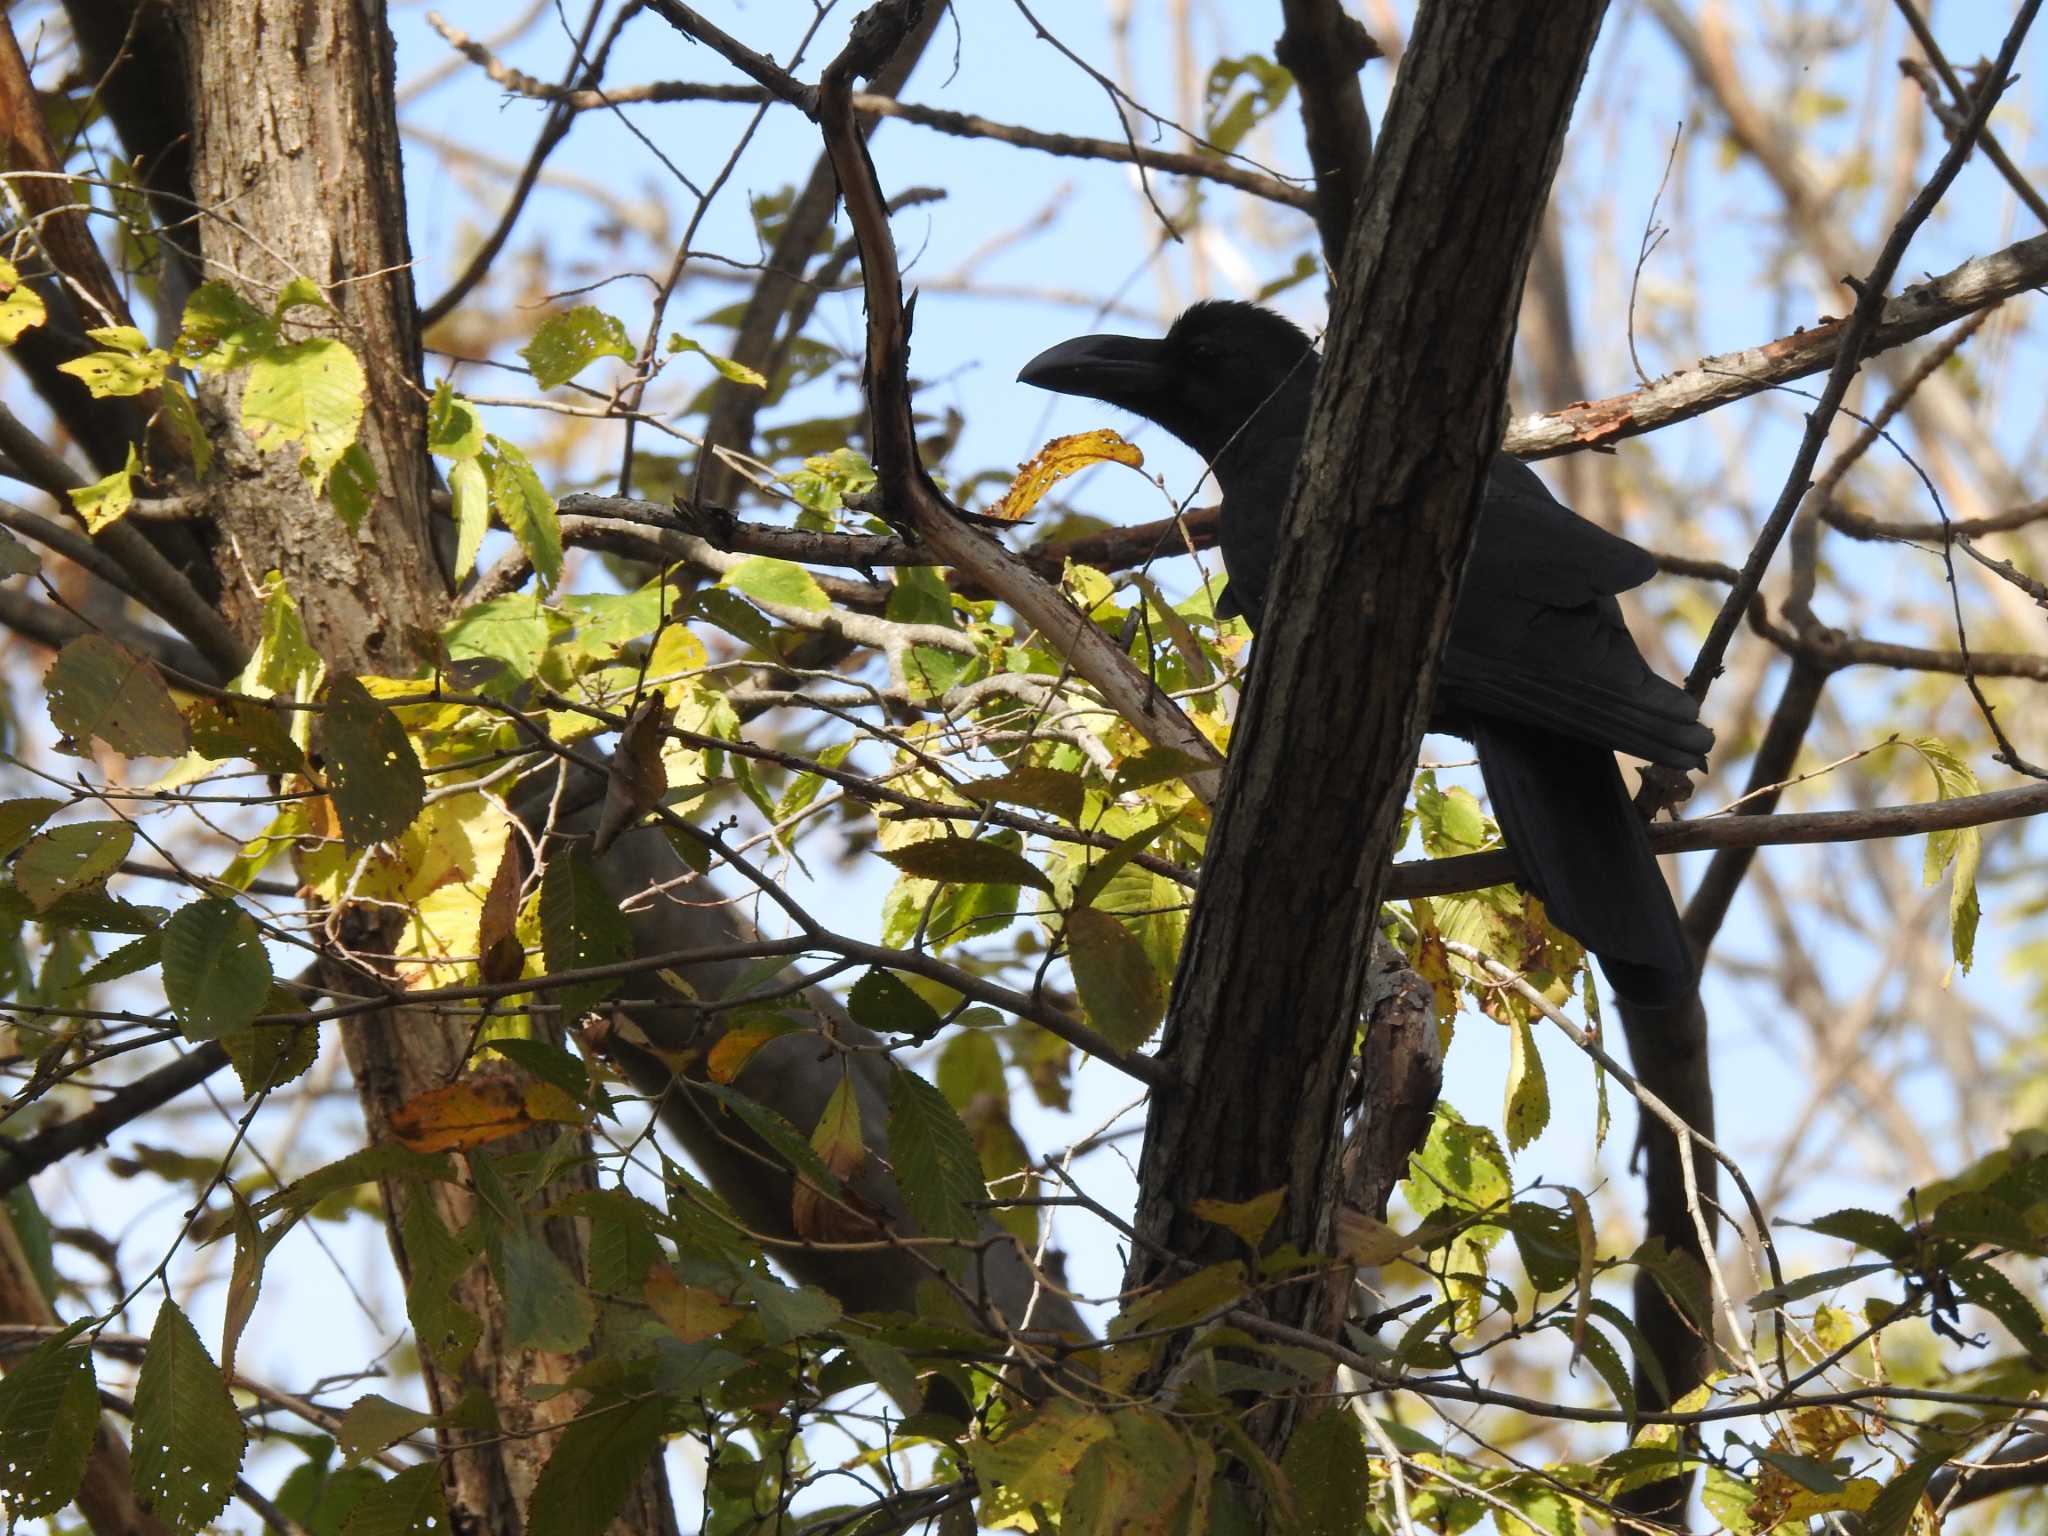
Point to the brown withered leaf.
(479, 1110)
(637, 780)
(501, 956)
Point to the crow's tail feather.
(1569, 822)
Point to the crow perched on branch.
(1539, 672)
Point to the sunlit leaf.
(1055, 461)
(571, 341)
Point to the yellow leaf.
(1249, 1219)
(478, 1110)
(689, 1312)
(1055, 461)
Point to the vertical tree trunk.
(295, 154)
(1407, 416)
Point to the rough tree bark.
(295, 151)
(1408, 412)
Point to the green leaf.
(298, 293)
(310, 393)
(470, 494)
(881, 1001)
(98, 688)
(1528, 1093)
(933, 1154)
(222, 329)
(600, 1457)
(739, 373)
(20, 818)
(1043, 789)
(352, 489)
(373, 774)
(1327, 1475)
(16, 558)
(68, 860)
(410, 1504)
(544, 1306)
(968, 861)
(568, 343)
(1812, 1285)
(454, 428)
(216, 970)
(1460, 1167)
(182, 416)
(1106, 866)
(1891, 1512)
(580, 926)
(236, 726)
(1996, 1294)
(1961, 847)
(780, 1136)
(106, 501)
(526, 509)
(1866, 1229)
(1120, 987)
(780, 583)
(274, 1054)
(188, 1438)
(386, 1160)
(49, 1415)
(1033, 1460)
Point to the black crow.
(1539, 672)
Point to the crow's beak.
(1123, 370)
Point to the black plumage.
(1539, 672)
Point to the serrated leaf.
(1528, 1093)
(545, 1308)
(1055, 461)
(216, 971)
(690, 1312)
(1033, 1460)
(782, 583)
(601, 1455)
(1327, 1476)
(182, 416)
(20, 818)
(1054, 790)
(410, 1504)
(68, 860)
(571, 341)
(234, 726)
(526, 509)
(99, 688)
(1996, 1294)
(352, 486)
(968, 861)
(272, 1055)
(775, 1131)
(1119, 986)
(1866, 1229)
(188, 1439)
(373, 774)
(738, 373)
(470, 496)
(375, 1423)
(936, 1164)
(580, 926)
(454, 428)
(129, 365)
(883, 1002)
(16, 558)
(49, 1416)
(1891, 1512)
(308, 393)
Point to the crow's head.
(1222, 364)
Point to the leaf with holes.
(570, 342)
(527, 510)
(98, 688)
(67, 860)
(216, 970)
(188, 1438)
(884, 1002)
(310, 393)
(373, 774)
(49, 1415)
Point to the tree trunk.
(1408, 414)
(295, 151)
